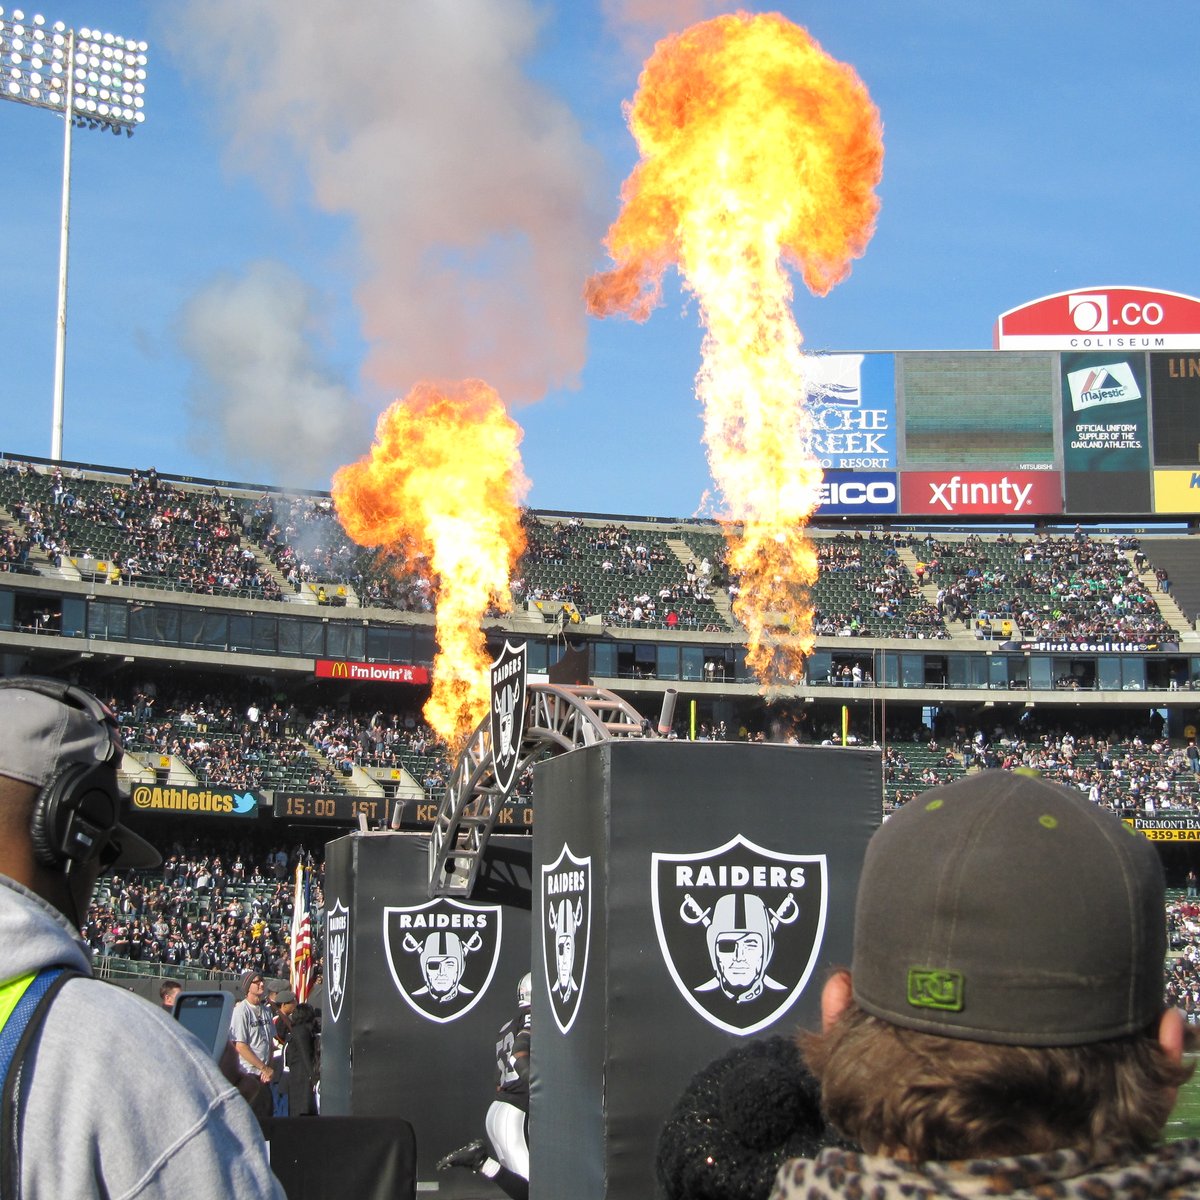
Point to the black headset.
(78, 810)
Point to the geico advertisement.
(854, 492)
(216, 802)
(1177, 491)
(1002, 493)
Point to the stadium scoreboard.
(329, 809)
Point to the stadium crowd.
(248, 741)
(152, 531)
(213, 907)
(1076, 588)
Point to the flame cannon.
(557, 718)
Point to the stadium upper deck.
(132, 563)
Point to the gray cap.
(40, 734)
(1004, 908)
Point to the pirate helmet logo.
(739, 928)
(442, 955)
(566, 931)
(506, 719)
(337, 956)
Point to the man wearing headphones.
(108, 1095)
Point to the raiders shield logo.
(337, 956)
(566, 910)
(739, 928)
(442, 955)
(507, 717)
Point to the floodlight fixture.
(95, 81)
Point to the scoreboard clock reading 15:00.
(334, 810)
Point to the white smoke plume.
(260, 390)
(639, 23)
(470, 187)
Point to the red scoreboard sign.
(980, 493)
(1102, 318)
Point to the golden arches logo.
(339, 670)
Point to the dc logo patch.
(739, 928)
(506, 721)
(337, 956)
(566, 912)
(442, 955)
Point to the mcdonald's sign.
(361, 672)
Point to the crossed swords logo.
(740, 949)
(442, 957)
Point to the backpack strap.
(16, 1039)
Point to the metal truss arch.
(557, 718)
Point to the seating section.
(1050, 588)
(208, 913)
(303, 538)
(864, 589)
(143, 530)
(138, 528)
(630, 578)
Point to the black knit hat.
(738, 1120)
(1008, 909)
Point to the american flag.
(302, 955)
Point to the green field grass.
(1185, 1118)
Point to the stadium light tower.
(96, 81)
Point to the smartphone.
(207, 1015)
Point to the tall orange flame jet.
(759, 152)
(441, 490)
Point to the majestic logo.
(740, 928)
(566, 910)
(442, 955)
(337, 956)
(1094, 386)
(507, 717)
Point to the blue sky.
(308, 223)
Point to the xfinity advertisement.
(980, 493)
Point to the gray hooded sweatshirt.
(120, 1102)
